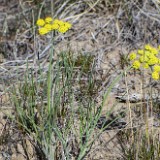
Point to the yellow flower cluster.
(147, 58)
(49, 24)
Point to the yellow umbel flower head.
(132, 56)
(56, 21)
(40, 22)
(154, 51)
(152, 61)
(147, 58)
(140, 51)
(145, 65)
(67, 25)
(148, 53)
(148, 47)
(143, 58)
(155, 75)
(48, 27)
(60, 23)
(156, 68)
(43, 31)
(49, 24)
(136, 64)
(62, 29)
(55, 26)
(48, 19)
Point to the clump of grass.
(123, 61)
(85, 62)
(4, 136)
(139, 147)
(46, 107)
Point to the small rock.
(29, 149)
(13, 149)
(20, 149)
(18, 157)
(1, 157)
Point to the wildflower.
(155, 75)
(132, 56)
(67, 25)
(48, 19)
(62, 29)
(60, 23)
(143, 59)
(159, 47)
(40, 22)
(49, 24)
(153, 60)
(148, 54)
(136, 64)
(43, 31)
(56, 21)
(148, 47)
(48, 27)
(156, 68)
(55, 26)
(145, 65)
(154, 51)
(140, 51)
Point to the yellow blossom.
(132, 56)
(148, 47)
(136, 64)
(48, 27)
(56, 21)
(43, 31)
(67, 25)
(156, 68)
(40, 22)
(154, 51)
(147, 58)
(62, 29)
(60, 23)
(55, 26)
(49, 24)
(145, 65)
(153, 60)
(155, 75)
(143, 59)
(148, 54)
(48, 19)
(140, 51)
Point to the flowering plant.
(49, 24)
(147, 58)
